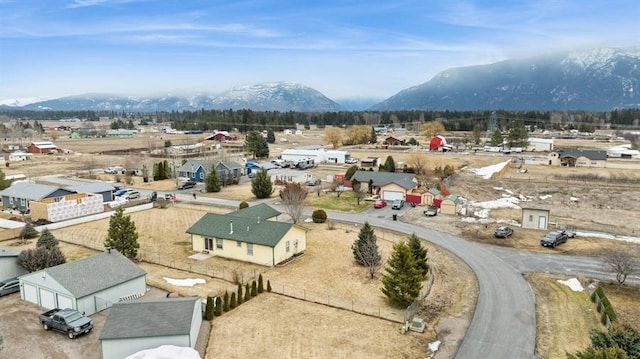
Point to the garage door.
(30, 293)
(47, 299)
(392, 195)
(64, 302)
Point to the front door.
(208, 244)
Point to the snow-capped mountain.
(19, 102)
(599, 79)
(277, 96)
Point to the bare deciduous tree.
(418, 161)
(370, 256)
(333, 136)
(293, 196)
(620, 262)
(358, 192)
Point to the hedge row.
(228, 302)
(604, 306)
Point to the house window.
(531, 218)
(201, 175)
(218, 243)
(239, 244)
(249, 249)
(11, 200)
(23, 202)
(287, 246)
(208, 244)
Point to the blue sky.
(343, 48)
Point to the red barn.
(439, 143)
(42, 147)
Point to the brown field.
(327, 266)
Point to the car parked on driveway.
(9, 286)
(187, 185)
(552, 239)
(431, 211)
(397, 204)
(379, 204)
(503, 232)
(131, 195)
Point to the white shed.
(535, 218)
(317, 153)
(88, 285)
(135, 326)
(540, 144)
(9, 267)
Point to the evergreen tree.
(419, 254)
(46, 239)
(496, 138)
(260, 284)
(247, 292)
(350, 172)
(209, 309)
(4, 183)
(254, 288)
(225, 301)
(518, 135)
(268, 286)
(365, 248)
(122, 235)
(271, 137)
(389, 165)
(218, 309)
(257, 145)
(374, 137)
(401, 282)
(28, 231)
(261, 185)
(212, 182)
(234, 302)
(240, 297)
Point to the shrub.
(599, 292)
(254, 288)
(268, 286)
(225, 301)
(243, 204)
(234, 302)
(28, 231)
(240, 294)
(260, 284)
(247, 292)
(218, 307)
(209, 309)
(319, 216)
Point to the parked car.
(431, 211)
(313, 182)
(132, 195)
(351, 161)
(68, 321)
(552, 239)
(503, 232)
(187, 185)
(9, 286)
(397, 204)
(120, 192)
(379, 204)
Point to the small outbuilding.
(9, 267)
(535, 218)
(145, 324)
(450, 204)
(88, 285)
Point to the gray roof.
(248, 230)
(149, 318)
(29, 190)
(590, 154)
(262, 211)
(92, 274)
(404, 180)
(192, 165)
(91, 187)
(6, 252)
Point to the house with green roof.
(252, 234)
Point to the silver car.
(9, 286)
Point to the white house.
(540, 144)
(20, 156)
(88, 285)
(139, 325)
(317, 153)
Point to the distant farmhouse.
(42, 147)
(578, 158)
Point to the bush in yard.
(225, 301)
(247, 292)
(260, 284)
(240, 297)
(218, 310)
(234, 302)
(268, 286)
(208, 312)
(254, 288)
(243, 204)
(319, 216)
(46, 239)
(40, 258)
(28, 231)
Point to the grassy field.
(330, 201)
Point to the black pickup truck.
(552, 239)
(68, 321)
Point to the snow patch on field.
(166, 352)
(572, 283)
(188, 282)
(487, 172)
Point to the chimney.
(230, 227)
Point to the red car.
(379, 204)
